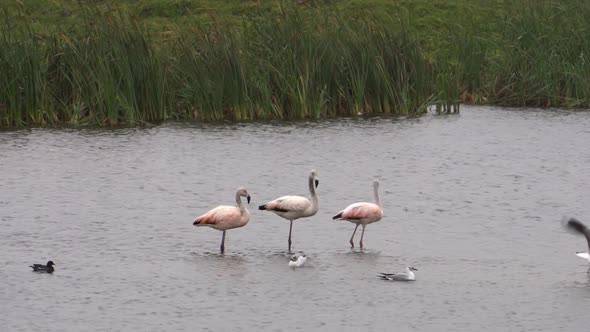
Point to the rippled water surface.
(473, 201)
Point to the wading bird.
(226, 217)
(295, 207)
(362, 214)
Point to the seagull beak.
(317, 183)
(248, 199)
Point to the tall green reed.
(108, 74)
(301, 65)
(23, 97)
(536, 56)
(287, 64)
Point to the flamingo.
(295, 207)
(574, 225)
(362, 214)
(226, 217)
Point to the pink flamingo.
(295, 207)
(226, 217)
(362, 214)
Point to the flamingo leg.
(222, 243)
(362, 244)
(290, 230)
(352, 237)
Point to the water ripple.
(473, 201)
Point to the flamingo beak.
(195, 223)
(248, 199)
(317, 183)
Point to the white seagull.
(407, 275)
(297, 261)
(576, 226)
(295, 207)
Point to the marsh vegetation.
(112, 63)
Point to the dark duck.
(43, 268)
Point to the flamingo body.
(361, 213)
(223, 217)
(291, 207)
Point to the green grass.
(110, 63)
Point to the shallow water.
(472, 200)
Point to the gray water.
(471, 200)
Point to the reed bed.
(288, 63)
(537, 55)
(23, 87)
(546, 61)
(282, 65)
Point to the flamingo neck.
(314, 194)
(376, 194)
(239, 202)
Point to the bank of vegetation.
(110, 63)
